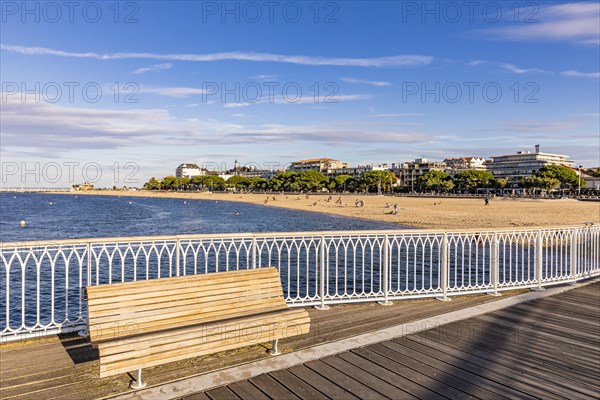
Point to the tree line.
(548, 178)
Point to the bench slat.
(107, 331)
(180, 350)
(200, 285)
(174, 299)
(199, 330)
(174, 308)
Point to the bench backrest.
(131, 308)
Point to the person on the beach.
(487, 201)
(395, 208)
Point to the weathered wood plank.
(326, 386)
(410, 385)
(247, 391)
(272, 388)
(368, 379)
(297, 385)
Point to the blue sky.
(141, 87)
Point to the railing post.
(386, 272)
(444, 265)
(85, 332)
(495, 264)
(254, 247)
(89, 264)
(574, 256)
(177, 265)
(322, 267)
(539, 250)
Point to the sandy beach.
(418, 212)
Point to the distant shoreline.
(417, 212)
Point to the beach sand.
(418, 212)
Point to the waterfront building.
(316, 164)
(250, 171)
(189, 171)
(410, 171)
(517, 167)
(355, 172)
(460, 164)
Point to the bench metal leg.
(135, 385)
(274, 349)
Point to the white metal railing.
(42, 283)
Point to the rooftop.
(314, 160)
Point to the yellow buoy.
(22, 223)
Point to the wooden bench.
(147, 323)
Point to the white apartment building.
(189, 171)
(523, 164)
(410, 171)
(459, 164)
(316, 164)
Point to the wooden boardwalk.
(67, 367)
(544, 349)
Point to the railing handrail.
(400, 231)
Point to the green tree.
(473, 179)
(257, 183)
(341, 183)
(169, 182)
(542, 182)
(311, 181)
(372, 181)
(153, 184)
(500, 183)
(284, 181)
(238, 182)
(214, 182)
(596, 173)
(435, 180)
(566, 176)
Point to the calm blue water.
(70, 217)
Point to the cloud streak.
(177, 92)
(51, 128)
(577, 74)
(576, 22)
(377, 62)
(153, 68)
(372, 83)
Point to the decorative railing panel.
(42, 285)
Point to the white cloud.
(236, 105)
(265, 77)
(506, 66)
(404, 115)
(372, 83)
(153, 68)
(377, 62)
(575, 22)
(178, 92)
(517, 70)
(308, 99)
(577, 74)
(50, 128)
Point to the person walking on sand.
(487, 201)
(395, 208)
